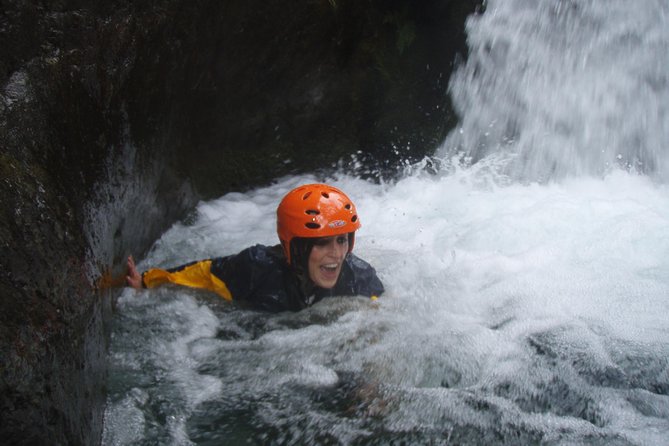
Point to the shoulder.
(363, 278)
(257, 252)
(257, 277)
(264, 254)
(249, 260)
(357, 263)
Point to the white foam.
(570, 87)
(475, 277)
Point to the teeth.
(330, 266)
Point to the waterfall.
(566, 87)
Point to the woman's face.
(326, 258)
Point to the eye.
(321, 241)
(342, 240)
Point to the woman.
(316, 224)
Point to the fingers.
(134, 281)
(133, 278)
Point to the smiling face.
(326, 259)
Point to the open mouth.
(330, 267)
(330, 270)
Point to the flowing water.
(527, 281)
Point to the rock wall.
(115, 118)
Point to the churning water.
(567, 87)
(527, 282)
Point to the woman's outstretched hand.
(133, 278)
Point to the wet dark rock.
(117, 116)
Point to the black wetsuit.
(260, 277)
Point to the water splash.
(567, 87)
(513, 313)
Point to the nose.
(336, 249)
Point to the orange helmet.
(315, 210)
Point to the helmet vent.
(325, 195)
(348, 206)
(307, 195)
(311, 225)
(354, 218)
(312, 212)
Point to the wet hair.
(300, 249)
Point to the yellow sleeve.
(194, 275)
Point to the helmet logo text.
(336, 223)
